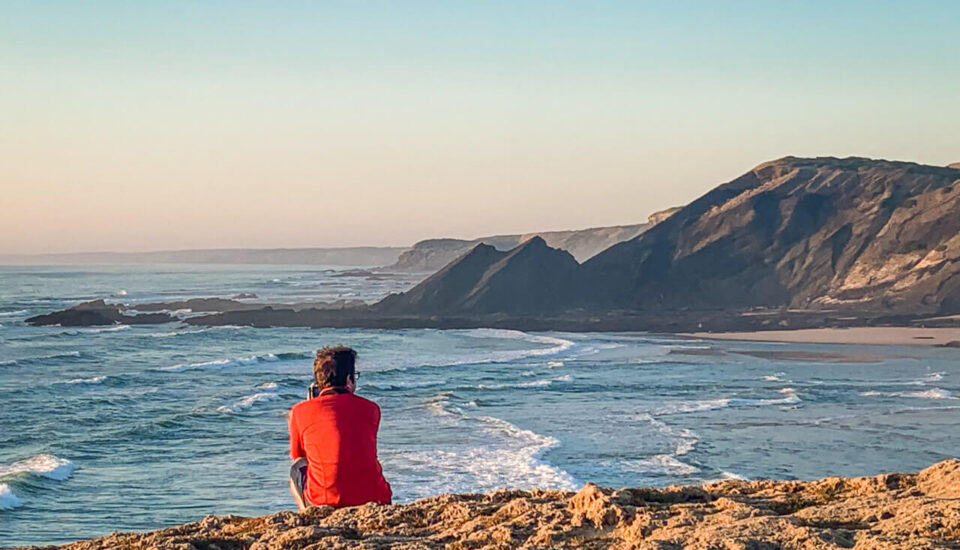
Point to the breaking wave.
(505, 455)
(8, 500)
(932, 393)
(13, 313)
(240, 362)
(91, 380)
(43, 465)
(248, 401)
(790, 397)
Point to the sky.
(131, 126)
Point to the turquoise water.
(134, 428)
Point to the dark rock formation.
(531, 278)
(98, 312)
(197, 304)
(827, 233)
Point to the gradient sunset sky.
(136, 125)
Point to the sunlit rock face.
(821, 233)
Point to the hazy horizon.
(134, 127)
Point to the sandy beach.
(896, 336)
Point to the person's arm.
(296, 451)
(388, 497)
(296, 446)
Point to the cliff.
(891, 511)
(527, 279)
(432, 254)
(854, 234)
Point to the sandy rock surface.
(890, 511)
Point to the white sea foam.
(115, 328)
(532, 384)
(43, 465)
(8, 500)
(932, 393)
(681, 407)
(524, 461)
(248, 401)
(554, 364)
(557, 345)
(682, 439)
(238, 362)
(928, 378)
(662, 464)
(8, 362)
(13, 313)
(775, 377)
(92, 380)
(508, 457)
(790, 397)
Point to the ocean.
(140, 427)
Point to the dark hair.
(333, 365)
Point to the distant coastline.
(361, 256)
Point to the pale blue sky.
(146, 125)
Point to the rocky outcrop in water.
(199, 304)
(891, 511)
(98, 312)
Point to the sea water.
(140, 427)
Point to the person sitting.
(333, 438)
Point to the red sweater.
(337, 433)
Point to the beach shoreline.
(890, 336)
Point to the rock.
(858, 236)
(98, 312)
(849, 234)
(527, 279)
(887, 512)
(199, 304)
(942, 480)
(433, 254)
(951, 344)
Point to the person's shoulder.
(366, 402)
(299, 407)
